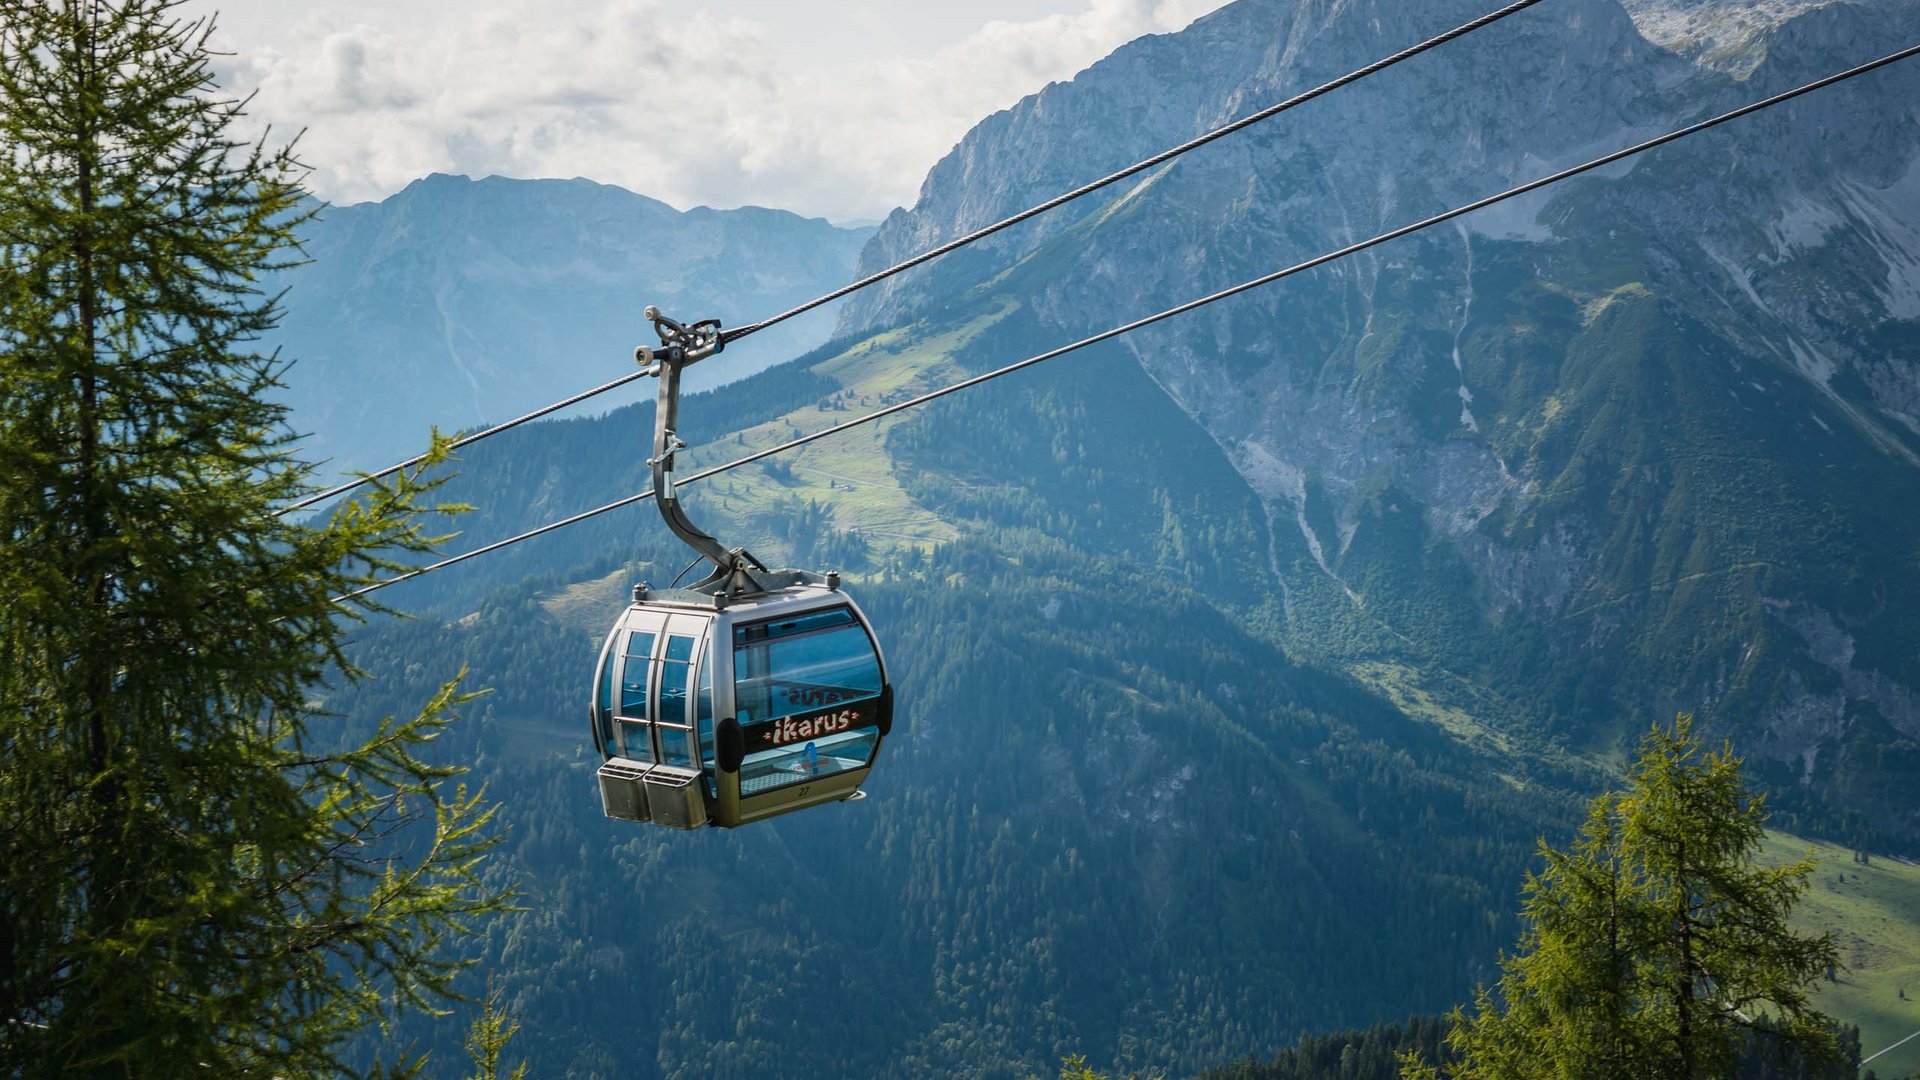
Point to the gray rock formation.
(1610, 450)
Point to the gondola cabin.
(732, 710)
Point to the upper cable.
(1179, 309)
(465, 440)
(728, 336)
(1137, 167)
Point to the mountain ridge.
(1241, 661)
(465, 302)
(1437, 375)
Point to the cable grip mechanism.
(735, 570)
(680, 344)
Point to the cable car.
(773, 703)
(750, 694)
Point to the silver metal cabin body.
(753, 693)
(774, 703)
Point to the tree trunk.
(1683, 987)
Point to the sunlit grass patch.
(1873, 911)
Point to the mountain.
(1646, 441)
(1241, 662)
(1115, 817)
(464, 302)
(1726, 35)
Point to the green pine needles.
(1655, 949)
(201, 874)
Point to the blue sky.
(830, 109)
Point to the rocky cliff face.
(1728, 35)
(1647, 441)
(460, 303)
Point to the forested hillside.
(1108, 765)
(1644, 441)
(1120, 818)
(1240, 664)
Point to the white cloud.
(689, 108)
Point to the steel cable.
(1181, 309)
(465, 440)
(1057, 201)
(1895, 1046)
(1160, 158)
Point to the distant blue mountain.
(461, 302)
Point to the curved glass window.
(807, 692)
(636, 665)
(633, 682)
(603, 705)
(703, 718)
(676, 726)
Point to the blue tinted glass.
(676, 747)
(673, 692)
(704, 720)
(810, 761)
(633, 680)
(634, 741)
(603, 693)
(674, 672)
(799, 665)
(783, 675)
(799, 624)
(639, 643)
(603, 705)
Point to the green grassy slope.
(1873, 912)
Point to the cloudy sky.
(834, 108)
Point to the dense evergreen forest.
(1117, 816)
(1047, 816)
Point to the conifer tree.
(487, 1040)
(1655, 948)
(200, 874)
